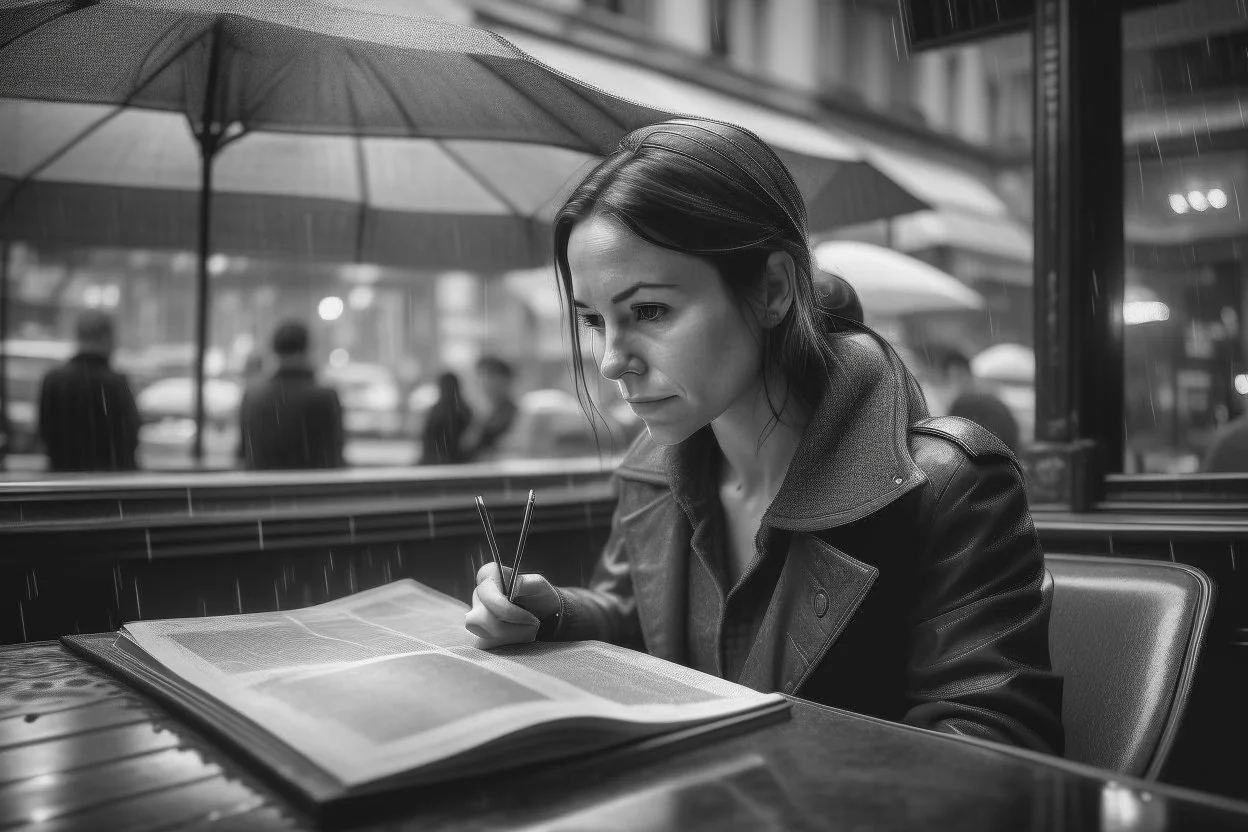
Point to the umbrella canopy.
(368, 119)
(892, 283)
(134, 181)
(1010, 363)
(310, 67)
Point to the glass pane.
(1185, 96)
(148, 295)
(967, 330)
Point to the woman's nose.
(617, 359)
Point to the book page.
(389, 680)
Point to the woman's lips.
(641, 405)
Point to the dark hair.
(448, 386)
(945, 358)
(718, 192)
(494, 364)
(290, 338)
(93, 326)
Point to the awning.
(928, 182)
(998, 236)
(840, 185)
(941, 185)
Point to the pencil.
(489, 536)
(524, 533)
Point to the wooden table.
(80, 751)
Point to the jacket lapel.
(819, 590)
(657, 536)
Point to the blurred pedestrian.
(1229, 451)
(253, 371)
(956, 392)
(496, 377)
(87, 416)
(448, 420)
(289, 420)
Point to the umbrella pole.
(201, 301)
(4, 355)
(209, 135)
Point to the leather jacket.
(913, 588)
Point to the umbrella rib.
(386, 87)
(563, 76)
(361, 168)
(74, 142)
(537, 103)
(56, 16)
(476, 177)
(273, 81)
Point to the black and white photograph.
(623, 415)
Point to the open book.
(384, 689)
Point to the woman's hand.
(495, 621)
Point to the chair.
(1126, 635)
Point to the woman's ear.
(779, 281)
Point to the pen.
(524, 533)
(489, 536)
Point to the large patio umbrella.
(891, 283)
(134, 181)
(235, 68)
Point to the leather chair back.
(1126, 635)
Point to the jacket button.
(821, 603)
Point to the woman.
(791, 519)
(448, 419)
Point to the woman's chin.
(669, 434)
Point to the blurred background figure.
(446, 424)
(1228, 453)
(87, 416)
(953, 390)
(496, 377)
(289, 420)
(254, 371)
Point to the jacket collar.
(852, 460)
(93, 358)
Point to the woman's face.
(666, 329)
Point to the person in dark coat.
(442, 441)
(970, 399)
(87, 415)
(792, 519)
(289, 420)
(1228, 453)
(496, 377)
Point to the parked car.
(550, 423)
(27, 363)
(370, 398)
(167, 408)
(174, 398)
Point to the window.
(1185, 75)
(979, 234)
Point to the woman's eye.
(649, 311)
(588, 320)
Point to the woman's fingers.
(493, 630)
(491, 596)
(489, 572)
